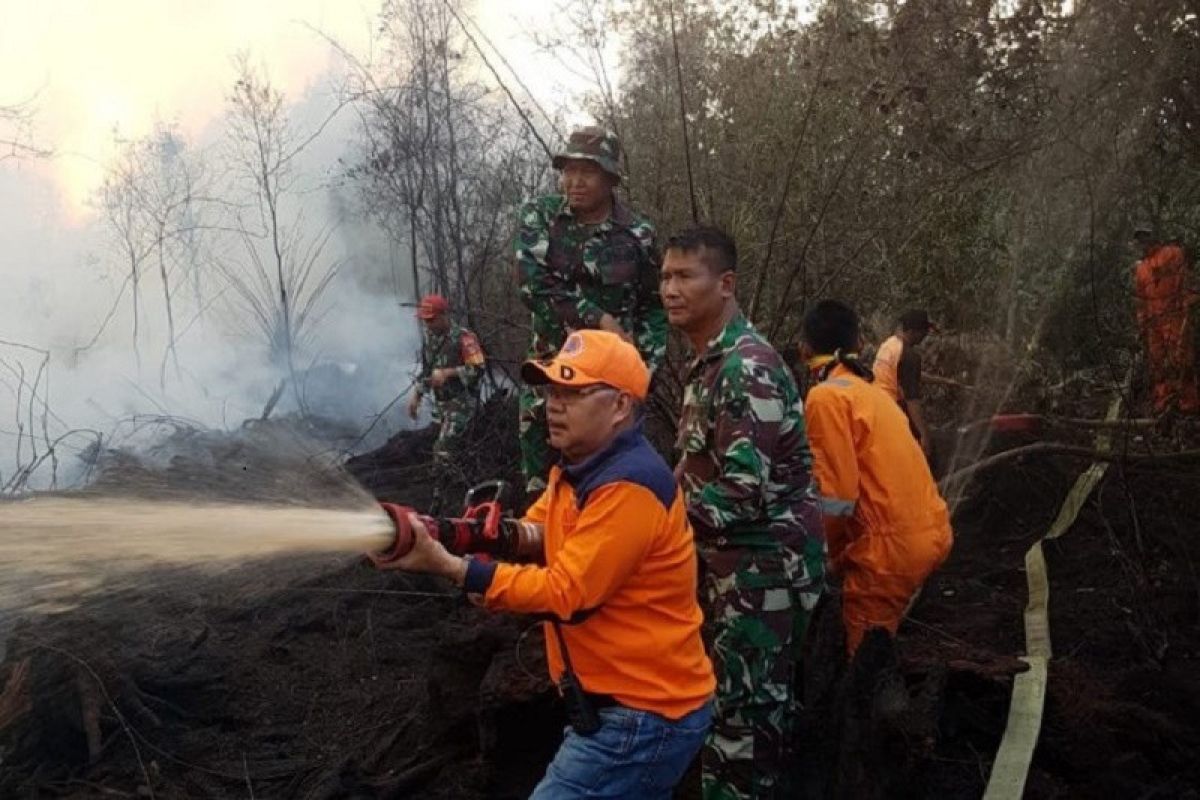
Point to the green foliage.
(983, 159)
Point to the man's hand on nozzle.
(414, 405)
(429, 556)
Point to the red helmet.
(432, 306)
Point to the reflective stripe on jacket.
(874, 479)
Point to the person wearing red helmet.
(451, 365)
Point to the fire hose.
(485, 528)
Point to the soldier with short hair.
(745, 467)
(451, 366)
(584, 260)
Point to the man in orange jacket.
(898, 371)
(618, 582)
(886, 526)
(1167, 304)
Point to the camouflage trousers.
(536, 453)
(452, 418)
(755, 636)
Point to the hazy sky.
(93, 67)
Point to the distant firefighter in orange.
(1168, 302)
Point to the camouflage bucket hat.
(592, 144)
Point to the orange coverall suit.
(1165, 303)
(886, 525)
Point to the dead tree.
(151, 200)
(286, 270)
(444, 164)
(16, 132)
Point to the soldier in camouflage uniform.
(584, 260)
(745, 469)
(451, 366)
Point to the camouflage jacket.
(458, 349)
(745, 464)
(571, 274)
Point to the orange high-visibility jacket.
(619, 555)
(874, 480)
(1163, 293)
(1164, 304)
(887, 367)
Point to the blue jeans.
(635, 754)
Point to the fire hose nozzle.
(403, 543)
(485, 529)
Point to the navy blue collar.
(628, 458)
(623, 442)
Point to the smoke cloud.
(65, 282)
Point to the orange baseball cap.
(590, 357)
(432, 306)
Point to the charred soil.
(319, 677)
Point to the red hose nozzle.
(403, 542)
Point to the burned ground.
(1122, 715)
(322, 678)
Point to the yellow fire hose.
(1011, 767)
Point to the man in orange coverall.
(1167, 304)
(619, 581)
(886, 526)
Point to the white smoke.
(63, 283)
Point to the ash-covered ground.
(318, 677)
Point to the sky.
(88, 72)
(90, 69)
